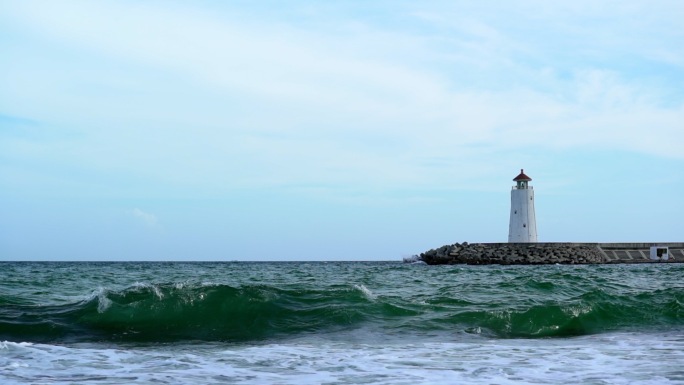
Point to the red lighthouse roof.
(522, 177)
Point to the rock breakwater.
(514, 254)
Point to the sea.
(339, 323)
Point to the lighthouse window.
(524, 225)
(530, 198)
(515, 211)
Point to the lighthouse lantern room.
(522, 227)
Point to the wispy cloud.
(148, 219)
(244, 102)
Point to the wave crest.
(219, 312)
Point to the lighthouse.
(523, 225)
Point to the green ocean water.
(361, 307)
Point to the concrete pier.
(550, 253)
(639, 252)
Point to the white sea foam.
(412, 259)
(615, 358)
(155, 289)
(103, 303)
(366, 292)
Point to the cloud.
(145, 217)
(226, 99)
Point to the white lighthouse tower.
(523, 225)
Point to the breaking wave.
(216, 312)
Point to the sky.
(346, 130)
